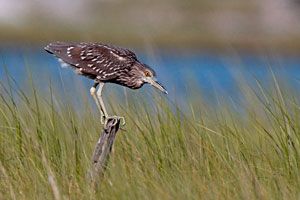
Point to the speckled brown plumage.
(101, 62)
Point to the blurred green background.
(198, 24)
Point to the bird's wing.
(96, 59)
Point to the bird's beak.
(155, 84)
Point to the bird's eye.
(147, 73)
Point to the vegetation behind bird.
(204, 151)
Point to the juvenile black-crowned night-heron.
(104, 64)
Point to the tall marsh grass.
(200, 150)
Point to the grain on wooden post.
(103, 149)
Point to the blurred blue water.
(179, 72)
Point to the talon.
(122, 120)
(115, 122)
(103, 120)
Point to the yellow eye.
(147, 73)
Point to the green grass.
(191, 150)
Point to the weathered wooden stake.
(103, 149)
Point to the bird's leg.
(93, 94)
(102, 106)
(101, 103)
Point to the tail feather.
(56, 47)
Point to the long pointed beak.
(155, 84)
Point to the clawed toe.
(104, 120)
(122, 119)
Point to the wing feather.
(96, 60)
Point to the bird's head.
(146, 74)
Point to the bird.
(104, 63)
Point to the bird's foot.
(104, 120)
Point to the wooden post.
(103, 149)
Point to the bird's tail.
(56, 47)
